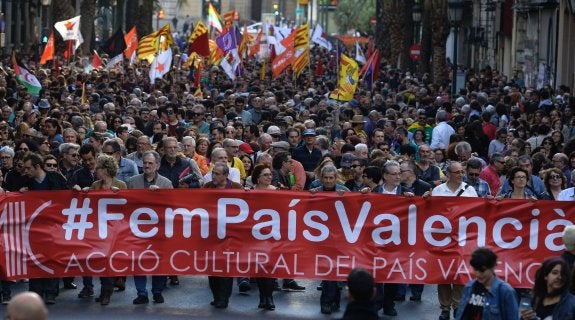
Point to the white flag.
(69, 29)
(230, 63)
(161, 65)
(320, 38)
(359, 56)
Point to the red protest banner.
(273, 234)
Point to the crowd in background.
(406, 136)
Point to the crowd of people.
(111, 129)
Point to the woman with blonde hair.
(106, 171)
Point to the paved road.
(191, 299)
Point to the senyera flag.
(25, 77)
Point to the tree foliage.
(354, 15)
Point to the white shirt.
(234, 175)
(443, 190)
(440, 136)
(566, 195)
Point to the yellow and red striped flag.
(150, 44)
(229, 19)
(301, 47)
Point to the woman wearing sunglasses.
(555, 182)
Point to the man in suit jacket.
(150, 179)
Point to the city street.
(192, 299)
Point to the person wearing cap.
(345, 166)
(421, 123)
(275, 132)
(358, 125)
(308, 155)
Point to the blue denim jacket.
(501, 301)
(565, 309)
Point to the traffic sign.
(415, 51)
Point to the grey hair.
(156, 155)
(216, 151)
(66, 147)
(189, 138)
(223, 166)
(327, 169)
(7, 150)
(462, 146)
(389, 164)
(361, 147)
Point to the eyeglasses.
(194, 114)
(555, 177)
(5, 157)
(458, 172)
(51, 165)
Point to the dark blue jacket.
(501, 301)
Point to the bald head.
(27, 306)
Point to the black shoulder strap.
(462, 190)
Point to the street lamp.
(455, 13)
(416, 16)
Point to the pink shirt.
(492, 178)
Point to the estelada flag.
(48, 53)
(347, 79)
(150, 44)
(131, 39)
(25, 77)
(199, 40)
(161, 65)
(69, 29)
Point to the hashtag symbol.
(74, 212)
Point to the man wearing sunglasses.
(472, 178)
(70, 159)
